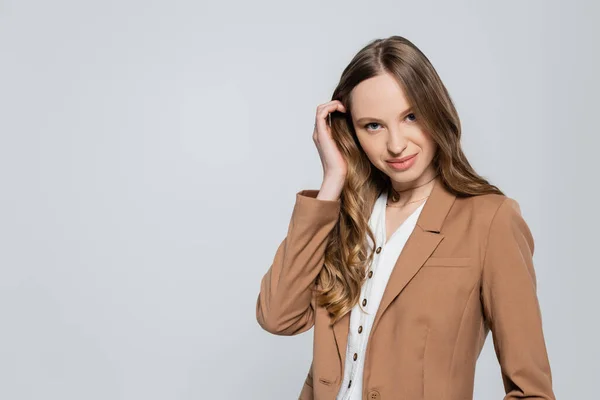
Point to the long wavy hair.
(347, 253)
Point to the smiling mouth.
(400, 160)
(402, 165)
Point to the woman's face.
(387, 129)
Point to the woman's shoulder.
(488, 207)
(489, 202)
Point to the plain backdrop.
(150, 153)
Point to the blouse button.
(370, 274)
(373, 395)
(378, 250)
(350, 383)
(355, 356)
(364, 303)
(360, 329)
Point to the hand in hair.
(334, 164)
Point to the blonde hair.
(346, 256)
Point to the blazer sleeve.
(511, 306)
(307, 391)
(285, 303)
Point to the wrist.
(331, 189)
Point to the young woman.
(405, 258)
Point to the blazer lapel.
(421, 243)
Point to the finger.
(325, 115)
(325, 110)
(340, 106)
(334, 105)
(321, 121)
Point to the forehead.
(378, 96)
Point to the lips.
(397, 160)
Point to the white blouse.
(362, 316)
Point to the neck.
(414, 190)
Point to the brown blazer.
(466, 269)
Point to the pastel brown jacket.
(465, 270)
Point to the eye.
(413, 115)
(369, 124)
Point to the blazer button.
(378, 250)
(370, 274)
(364, 303)
(374, 395)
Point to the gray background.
(151, 151)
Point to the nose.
(396, 142)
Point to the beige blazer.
(465, 270)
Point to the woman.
(405, 258)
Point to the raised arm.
(285, 302)
(511, 306)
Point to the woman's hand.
(334, 165)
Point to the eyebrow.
(365, 119)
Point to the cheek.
(371, 148)
(431, 146)
(426, 143)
